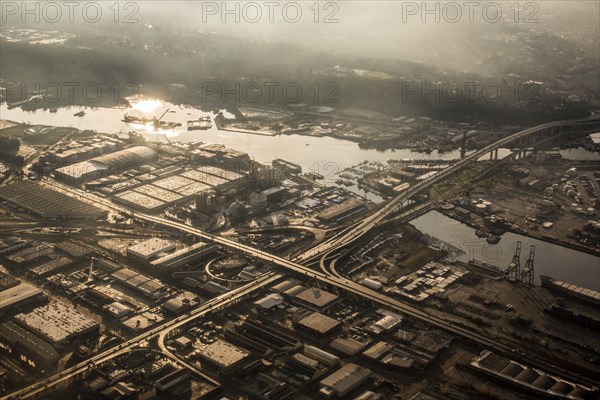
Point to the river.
(327, 156)
(559, 262)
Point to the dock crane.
(514, 268)
(156, 121)
(528, 272)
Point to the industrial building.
(185, 255)
(527, 378)
(141, 283)
(285, 285)
(181, 186)
(269, 301)
(18, 295)
(51, 267)
(221, 354)
(175, 377)
(103, 165)
(206, 203)
(10, 244)
(118, 310)
(48, 203)
(57, 323)
(150, 248)
(321, 356)
(347, 346)
(25, 346)
(319, 325)
(344, 380)
(268, 196)
(287, 166)
(342, 211)
(316, 299)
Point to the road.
(349, 235)
(343, 239)
(483, 339)
(221, 301)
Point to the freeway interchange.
(298, 266)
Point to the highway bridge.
(523, 139)
(343, 239)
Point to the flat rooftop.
(17, 294)
(223, 354)
(319, 323)
(46, 202)
(57, 322)
(317, 297)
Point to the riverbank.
(541, 237)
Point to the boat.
(202, 123)
(569, 289)
(79, 114)
(493, 239)
(315, 176)
(156, 123)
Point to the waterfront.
(553, 260)
(328, 156)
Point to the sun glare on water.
(147, 106)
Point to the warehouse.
(73, 249)
(48, 203)
(269, 301)
(221, 354)
(342, 211)
(347, 346)
(150, 248)
(106, 164)
(344, 380)
(81, 172)
(316, 299)
(153, 196)
(58, 324)
(19, 295)
(25, 346)
(319, 325)
(51, 267)
(142, 283)
(118, 310)
(186, 255)
(12, 243)
(285, 285)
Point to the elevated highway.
(338, 241)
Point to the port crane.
(528, 272)
(514, 268)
